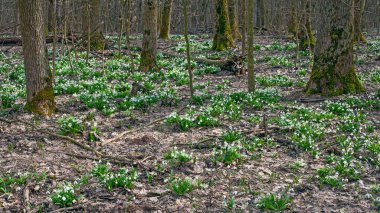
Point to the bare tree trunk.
(39, 82)
(165, 19)
(261, 14)
(128, 23)
(358, 19)
(251, 25)
(149, 45)
(122, 24)
(334, 70)
(222, 37)
(233, 17)
(91, 25)
(244, 31)
(186, 29)
(54, 38)
(378, 17)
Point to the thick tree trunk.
(39, 82)
(333, 71)
(165, 19)
(251, 72)
(149, 45)
(91, 24)
(222, 37)
(233, 17)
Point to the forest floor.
(157, 150)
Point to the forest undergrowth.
(145, 145)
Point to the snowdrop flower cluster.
(64, 195)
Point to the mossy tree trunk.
(233, 18)
(359, 10)
(149, 45)
(333, 71)
(39, 81)
(222, 38)
(91, 25)
(165, 19)
(251, 72)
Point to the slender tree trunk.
(244, 31)
(39, 82)
(128, 23)
(261, 14)
(55, 40)
(165, 19)
(333, 70)
(378, 17)
(122, 24)
(251, 25)
(186, 29)
(149, 45)
(222, 37)
(91, 25)
(300, 24)
(358, 19)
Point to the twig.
(68, 209)
(69, 139)
(26, 198)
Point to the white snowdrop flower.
(368, 196)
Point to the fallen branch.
(26, 198)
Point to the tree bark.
(188, 57)
(91, 25)
(128, 23)
(333, 71)
(222, 37)
(149, 45)
(261, 14)
(358, 19)
(233, 17)
(244, 31)
(39, 82)
(251, 25)
(165, 20)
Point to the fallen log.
(233, 64)
(17, 41)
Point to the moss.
(223, 38)
(97, 42)
(42, 103)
